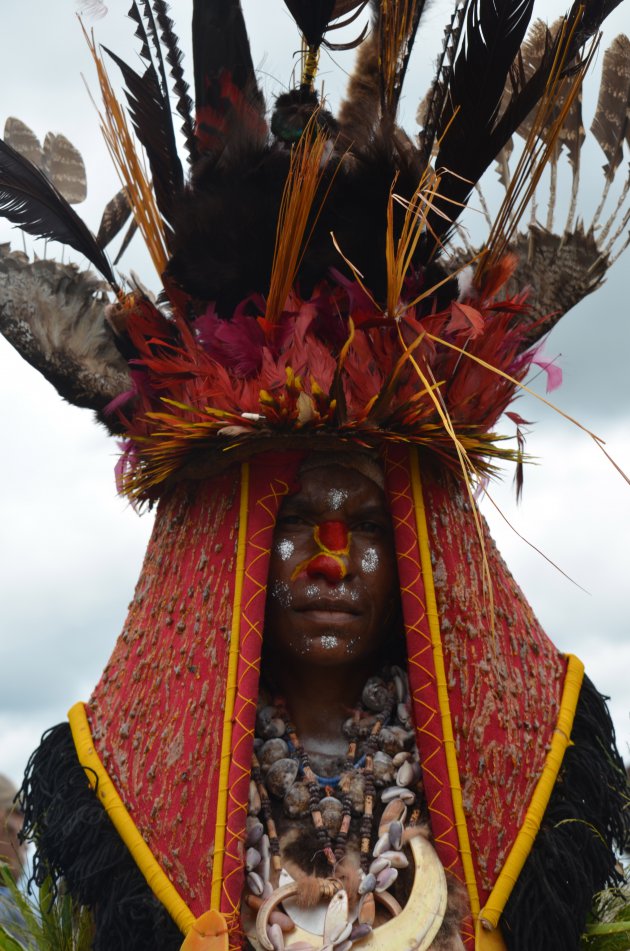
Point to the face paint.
(333, 540)
(281, 592)
(369, 562)
(336, 498)
(329, 567)
(332, 537)
(329, 641)
(285, 548)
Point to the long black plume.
(227, 96)
(174, 58)
(152, 120)
(493, 33)
(30, 201)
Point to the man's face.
(12, 852)
(333, 587)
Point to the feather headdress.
(268, 312)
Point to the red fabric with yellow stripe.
(485, 702)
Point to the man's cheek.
(280, 594)
(284, 548)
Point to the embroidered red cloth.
(157, 714)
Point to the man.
(279, 344)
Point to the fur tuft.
(573, 856)
(77, 843)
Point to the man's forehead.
(335, 489)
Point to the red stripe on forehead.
(333, 535)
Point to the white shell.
(382, 845)
(254, 831)
(396, 859)
(336, 919)
(385, 879)
(380, 863)
(255, 883)
(367, 884)
(408, 774)
(398, 792)
(267, 891)
(274, 933)
(252, 859)
(394, 811)
(395, 834)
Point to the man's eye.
(369, 527)
(291, 521)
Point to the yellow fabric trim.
(230, 697)
(158, 881)
(540, 799)
(442, 689)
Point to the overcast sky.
(71, 550)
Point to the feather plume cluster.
(332, 365)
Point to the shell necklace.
(381, 763)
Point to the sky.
(71, 550)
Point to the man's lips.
(326, 606)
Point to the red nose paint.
(326, 566)
(333, 535)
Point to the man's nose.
(331, 568)
(330, 562)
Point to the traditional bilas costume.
(309, 306)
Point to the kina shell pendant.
(324, 927)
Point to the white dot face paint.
(329, 641)
(281, 592)
(312, 591)
(284, 548)
(369, 562)
(336, 498)
(345, 592)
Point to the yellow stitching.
(533, 817)
(158, 881)
(442, 690)
(230, 697)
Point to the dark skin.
(324, 635)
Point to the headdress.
(309, 303)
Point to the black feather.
(439, 87)
(312, 18)
(180, 86)
(492, 37)
(30, 201)
(131, 230)
(229, 103)
(151, 116)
